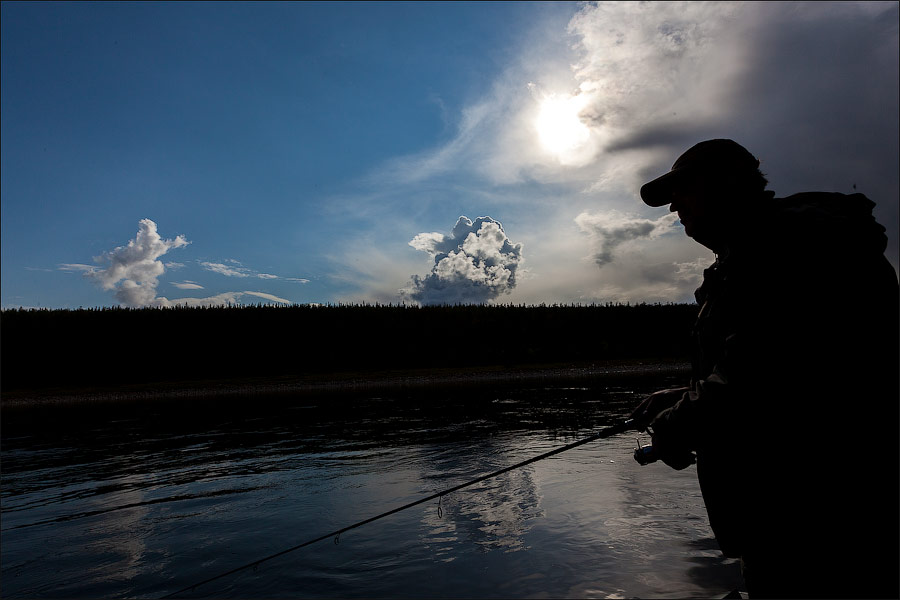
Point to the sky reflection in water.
(148, 501)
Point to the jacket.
(795, 375)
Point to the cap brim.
(659, 191)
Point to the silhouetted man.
(792, 410)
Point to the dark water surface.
(149, 498)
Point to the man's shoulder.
(821, 220)
(833, 203)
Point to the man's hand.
(663, 447)
(654, 404)
(676, 457)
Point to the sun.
(559, 126)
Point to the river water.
(145, 499)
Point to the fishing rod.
(643, 451)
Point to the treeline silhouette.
(73, 349)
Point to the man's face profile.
(690, 201)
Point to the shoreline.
(346, 383)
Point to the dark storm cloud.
(823, 96)
(665, 135)
(811, 88)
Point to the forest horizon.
(68, 349)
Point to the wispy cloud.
(76, 267)
(226, 270)
(418, 167)
(609, 230)
(269, 297)
(236, 269)
(188, 285)
(223, 299)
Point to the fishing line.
(603, 433)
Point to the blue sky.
(326, 152)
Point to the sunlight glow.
(559, 126)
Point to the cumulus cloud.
(609, 230)
(475, 264)
(133, 270)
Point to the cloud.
(134, 269)
(810, 88)
(657, 66)
(429, 164)
(475, 264)
(690, 272)
(76, 267)
(223, 299)
(236, 269)
(609, 230)
(223, 269)
(270, 297)
(495, 137)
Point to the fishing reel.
(644, 455)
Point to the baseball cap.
(710, 158)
